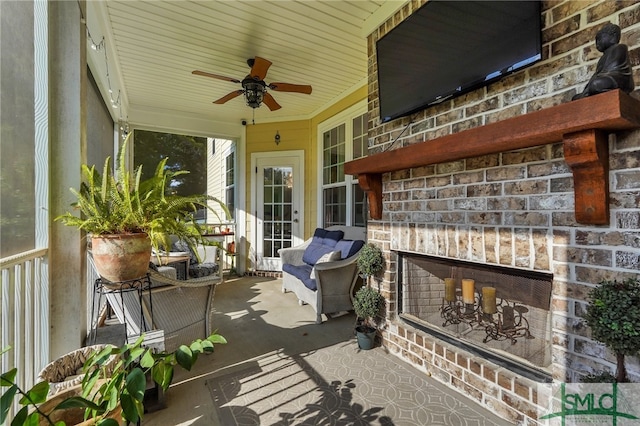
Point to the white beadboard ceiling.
(157, 44)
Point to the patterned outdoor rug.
(338, 385)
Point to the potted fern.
(127, 216)
(368, 302)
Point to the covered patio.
(515, 177)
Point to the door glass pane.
(268, 194)
(278, 205)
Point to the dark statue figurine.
(614, 69)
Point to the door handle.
(295, 220)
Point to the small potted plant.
(127, 216)
(368, 302)
(370, 261)
(109, 393)
(613, 314)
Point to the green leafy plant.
(104, 389)
(123, 203)
(367, 304)
(613, 314)
(370, 260)
(600, 377)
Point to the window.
(18, 129)
(342, 140)
(182, 153)
(230, 183)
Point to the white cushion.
(332, 256)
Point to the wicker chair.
(335, 280)
(181, 308)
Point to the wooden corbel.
(587, 154)
(371, 183)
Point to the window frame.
(345, 118)
(232, 187)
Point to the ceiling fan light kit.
(254, 88)
(253, 92)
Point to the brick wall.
(513, 208)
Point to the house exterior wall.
(216, 171)
(301, 134)
(514, 208)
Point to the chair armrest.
(293, 255)
(336, 274)
(336, 264)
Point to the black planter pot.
(366, 337)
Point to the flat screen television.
(447, 48)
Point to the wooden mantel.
(583, 126)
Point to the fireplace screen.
(501, 310)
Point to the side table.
(103, 288)
(180, 263)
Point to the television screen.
(447, 48)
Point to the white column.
(67, 100)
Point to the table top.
(166, 260)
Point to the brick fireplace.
(504, 317)
(520, 206)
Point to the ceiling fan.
(254, 88)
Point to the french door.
(279, 202)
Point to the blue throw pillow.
(323, 242)
(349, 247)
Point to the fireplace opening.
(502, 313)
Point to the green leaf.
(37, 394)
(136, 384)
(216, 338)
(8, 378)
(77, 402)
(21, 417)
(207, 346)
(5, 402)
(184, 357)
(147, 360)
(137, 353)
(196, 346)
(162, 374)
(129, 408)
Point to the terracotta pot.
(121, 257)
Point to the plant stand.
(103, 287)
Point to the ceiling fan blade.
(288, 87)
(219, 77)
(270, 102)
(229, 96)
(259, 68)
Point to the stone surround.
(513, 208)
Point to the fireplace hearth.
(501, 311)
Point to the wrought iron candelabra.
(506, 323)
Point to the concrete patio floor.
(271, 339)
